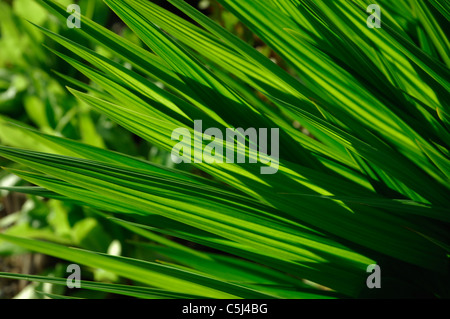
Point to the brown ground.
(24, 263)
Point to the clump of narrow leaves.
(368, 185)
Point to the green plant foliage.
(368, 183)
